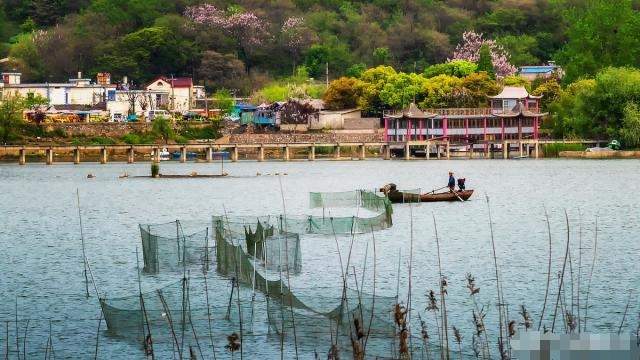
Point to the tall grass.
(553, 150)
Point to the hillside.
(51, 39)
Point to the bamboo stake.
(206, 291)
(95, 356)
(24, 340)
(84, 254)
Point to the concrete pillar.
(386, 149)
(505, 150)
(103, 156)
(234, 154)
(536, 150)
(209, 154)
(131, 155)
(336, 152)
(362, 152)
(261, 153)
(285, 154)
(49, 156)
(486, 151)
(520, 148)
(76, 156)
(312, 152)
(23, 157)
(407, 151)
(183, 154)
(427, 151)
(448, 149)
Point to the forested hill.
(242, 44)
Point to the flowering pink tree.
(245, 27)
(469, 49)
(296, 36)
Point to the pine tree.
(484, 61)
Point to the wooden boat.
(399, 197)
(446, 196)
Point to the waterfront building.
(513, 114)
(77, 91)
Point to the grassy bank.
(553, 150)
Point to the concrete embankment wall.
(600, 154)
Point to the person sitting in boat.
(461, 186)
(452, 182)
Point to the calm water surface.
(41, 261)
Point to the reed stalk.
(564, 265)
(579, 266)
(593, 264)
(443, 283)
(546, 292)
(624, 315)
(498, 288)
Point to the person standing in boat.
(461, 186)
(452, 182)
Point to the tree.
(221, 70)
(224, 101)
(630, 131)
(381, 56)
(458, 68)
(470, 48)
(550, 91)
(484, 61)
(245, 28)
(11, 109)
(520, 49)
(602, 33)
(343, 93)
(163, 127)
(297, 37)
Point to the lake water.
(42, 266)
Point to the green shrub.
(131, 139)
(155, 169)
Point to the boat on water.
(398, 197)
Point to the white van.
(152, 114)
(117, 117)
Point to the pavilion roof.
(514, 92)
(413, 112)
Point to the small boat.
(397, 196)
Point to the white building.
(182, 93)
(78, 91)
(121, 103)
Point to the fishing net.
(164, 248)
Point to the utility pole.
(327, 74)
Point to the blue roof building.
(531, 72)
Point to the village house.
(514, 114)
(182, 93)
(79, 91)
